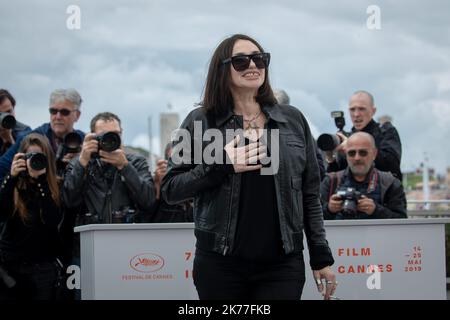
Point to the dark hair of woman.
(217, 99)
(39, 140)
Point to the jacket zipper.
(225, 249)
(108, 198)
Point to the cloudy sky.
(135, 57)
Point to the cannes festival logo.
(147, 262)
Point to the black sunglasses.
(64, 112)
(362, 153)
(242, 62)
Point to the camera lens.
(328, 142)
(349, 207)
(72, 142)
(7, 121)
(109, 141)
(38, 161)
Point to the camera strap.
(373, 181)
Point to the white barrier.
(154, 261)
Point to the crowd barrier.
(374, 259)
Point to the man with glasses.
(9, 131)
(362, 109)
(64, 112)
(361, 191)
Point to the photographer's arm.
(324, 194)
(7, 197)
(138, 179)
(389, 151)
(74, 178)
(7, 158)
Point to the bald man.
(361, 191)
(362, 109)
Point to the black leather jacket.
(216, 188)
(389, 146)
(128, 198)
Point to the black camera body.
(329, 141)
(38, 161)
(108, 141)
(350, 196)
(7, 120)
(71, 144)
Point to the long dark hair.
(217, 97)
(35, 139)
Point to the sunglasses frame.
(64, 112)
(265, 58)
(359, 151)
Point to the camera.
(108, 141)
(328, 141)
(7, 121)
(38, 161)
(71, 144)
(350, 196)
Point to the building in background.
(168, 122)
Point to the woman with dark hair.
(249, 224)
(30, 208)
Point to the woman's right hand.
(18, 165)
(241, 157)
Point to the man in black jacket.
(8, 136)
(361, 191)
(362, 109)
(115, 186)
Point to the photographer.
(162, 211)
(29, 245)
(64, 112)
(116, 187)
(387, 140)
(9, 127)
(361, 191)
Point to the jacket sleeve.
(324, 197)
(320, 161)
(186, 179)
(138, 179)
(7, 158)
(394, 205)
(74, 178)
(7, 197)
(319, 251)
(389, 151)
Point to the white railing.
(431, 213)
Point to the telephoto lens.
(108, 141)
(7, 121)
(72, 142)
(328, 141)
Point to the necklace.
(251, 122)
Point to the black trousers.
(32, 281)
(218, 277)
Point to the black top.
(258, 236)
(37, 239)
